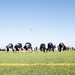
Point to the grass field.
(37, 63)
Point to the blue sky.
(50, 21)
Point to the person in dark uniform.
(28, 46)
(18, 47)
(50, 47)
(61, 47)
(42, 47)
(9, 46)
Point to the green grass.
(37, 57)
(44, 70)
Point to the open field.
(37, 63)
